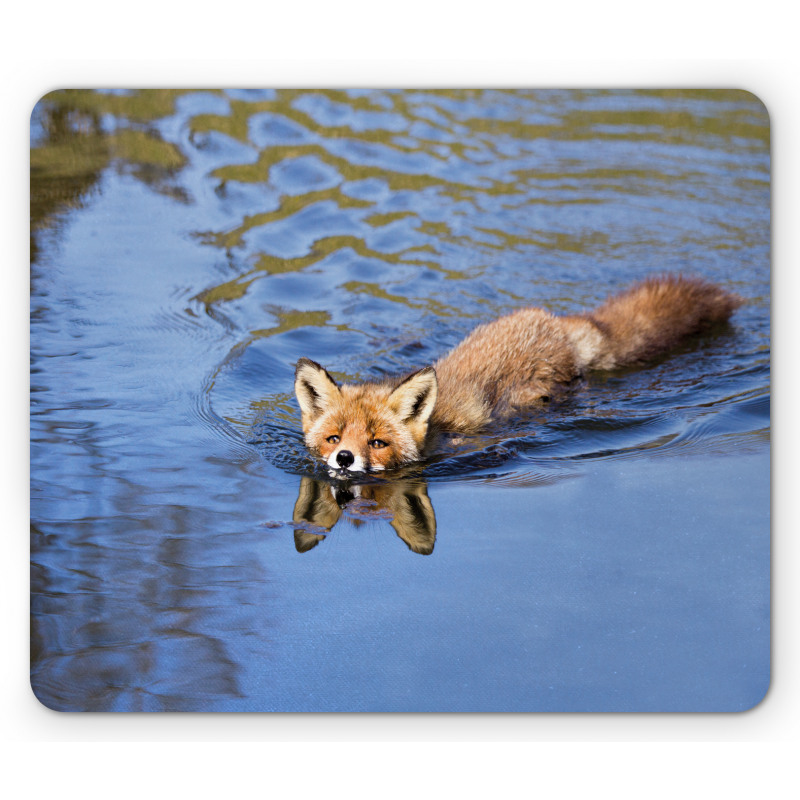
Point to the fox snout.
(345, 459)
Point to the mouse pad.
(260, 483)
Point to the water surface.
(608, 552)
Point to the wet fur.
(503, 366)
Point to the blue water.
(610, 552)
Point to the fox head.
(365, 428)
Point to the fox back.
(503, 366)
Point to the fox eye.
(376, 444)
(333, 439)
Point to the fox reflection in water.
(405, 503)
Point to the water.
(608, 552)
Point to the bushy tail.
(655, 315)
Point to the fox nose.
(344, 458)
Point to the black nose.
(344, 458)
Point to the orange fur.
(505, 365)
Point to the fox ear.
(314, 387)
(414, 520)
(415, 397)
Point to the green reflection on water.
(76, 144)
(321, 249)
(73, 148)
(374, 290)
(289, 205)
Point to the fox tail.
(648, 319)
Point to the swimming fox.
(503, 366)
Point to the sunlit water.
(607, 552)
